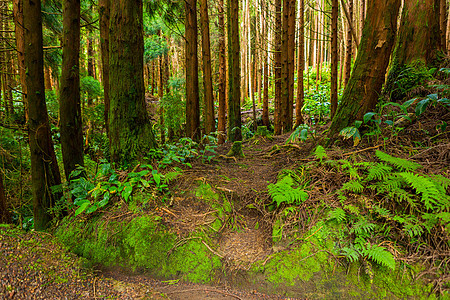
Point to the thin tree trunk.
(192, 93)
(207, 73)
(44, 167)
(222, 75)
(70, 107)
(301, 66)
(20, 45)
(5, 217)
(266, 62)
(443, 22)
(348, 48)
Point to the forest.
(229, 149)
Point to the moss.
(236, 149)
(144, 244)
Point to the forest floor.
(35, 266)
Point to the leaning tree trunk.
(364, 87)
(207, 73)
(221, 126)
(234, 73)
(418, 41)
(192, 93)
(129, 124)
(69, 104)
(44, 167)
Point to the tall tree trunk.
(210, 125)
(90, 63)
(131, 132)
(448, 33)
(265, 62)
(277, 67)
(103, 12)
(348, 46)
(418, 41)
(443, 22)
(192, 93)
(222, 75)
(70, 106)
(287, 65)
(44, 167)
(334, 56)
(362, 92)
(20, 45)
(301, 66)
(234, 72)
(161, 84)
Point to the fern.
(431, 195)
(283, 192)
(352, 209)
(441, 180)
(350, 253)
(379, 171)
(337, 214)
(353, 186)
(363, 227)
(400, 163)
(382, 211)
(320, 153)
(380, 255)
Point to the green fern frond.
(400, 163)
(413, 230)
(320, 153)
(337, 214)
(431, 195)
(363, 227)
(380, 255)
(283, 192)
(352, 209)
(382, 211)
(350, 253)
(379, 171)
(441, 180)
(353, 186)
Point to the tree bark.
(277, 67)
(348, 46)
(266, 63)
(103, 12)
(362, 92)
(44, 167)
(192, 92)
(334, 57)
(70, 107)
(443, 22)
(234, 72)
(418, 41)
(5, 217)
(222, 75)
(301, 66)
(131, 132)
(210, 125)
(20, 45)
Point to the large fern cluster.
(391, 191)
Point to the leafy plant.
(300, 133)
(431, 99)
(283, 191)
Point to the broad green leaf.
(82, 208)
(91, 209)
(127, 192)
(421, 106)
(105, 200)
(368, 116)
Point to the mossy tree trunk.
(69, 104)
(418, 40)
(210, 125)
(221, 126)
(234, 73)
(44, 167)
(130, 129)
(103, 13)
(362, 92)
(192, 92)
